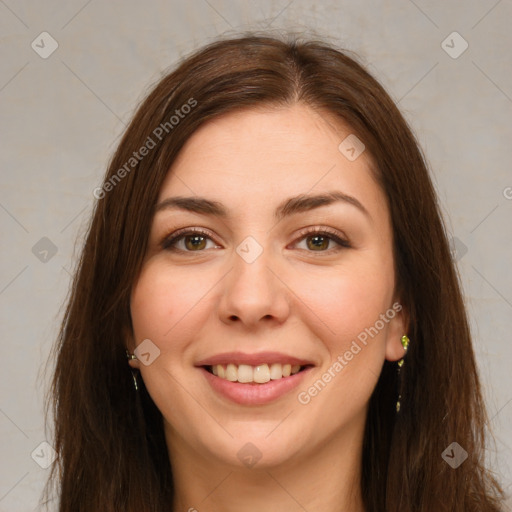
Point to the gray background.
(62, 117)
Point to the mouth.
(254, 379)
(259, 374)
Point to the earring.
(134, 372)
(405, 343)
(134, 375)
(130, 356)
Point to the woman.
(265, 314)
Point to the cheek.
(167, 307)
(345, 301)
(162, 303)
(350, 303)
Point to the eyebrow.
(290, 206)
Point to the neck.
(326, 477)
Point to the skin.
(294, 298)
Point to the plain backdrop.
(447, 64)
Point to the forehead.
(260, 156)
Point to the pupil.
(316, 239)
(197, 240)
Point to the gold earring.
(405, 343)
(130, 356)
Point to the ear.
(130, 347)
(397, 327)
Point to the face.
(264, 312)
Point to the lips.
(253, 379)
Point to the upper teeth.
(260, 374)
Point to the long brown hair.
(109, 438)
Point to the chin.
(255, 448)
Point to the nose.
(254, 292)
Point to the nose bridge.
(252, 291)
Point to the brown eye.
(196, 240)
(193, 241)
(318, 240)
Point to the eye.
(318, 239)
(194, 240)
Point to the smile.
(254, 379)
(259, 374)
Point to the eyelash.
(168, 243)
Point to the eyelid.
(336, 236)
(174, 235)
